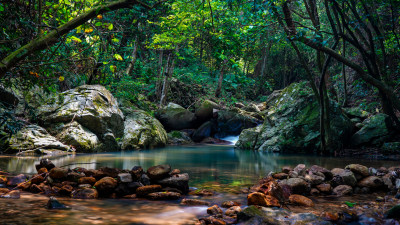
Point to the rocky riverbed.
(300, 195)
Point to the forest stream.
(220, 168)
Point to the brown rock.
(110, 172)
(56, 190)
(216, 221)
(87, 180)
(106, 185)
(214, 210)
(314, 192)
(74, 176)
(164, 196)
(4, 191)
(300, 169)
(325, 188)
(159, 172)
(58, 173)
(260, 199)
(297, 185)
(301, 200)
(359, 171)
(137, 172)
(202, 192)
(145, 190)
(372, 182)
(194, 202)
(42, 170)
(286, 169)
(175, 172)
(330, 216)
(86, 193)
(35, 188)
(24, 186)
(343, 190)
(37, 179)
(66, 190)
(233, 211)
(229, 204)
(280, 176)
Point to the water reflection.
(205, 164)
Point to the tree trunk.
(163, 98)
(133, 61)
(159, 74)
(221, 78)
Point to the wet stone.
(229, 204)
(214, 210)
(193, 202)
(125, 177)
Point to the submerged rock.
(164, 196)
(53, 203)
(143, 131)
(292, 123)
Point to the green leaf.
(116, 40)
(75, 39)
(118, 57)
(350, 204)
(1, 8)
(97, 24)
(112, 68)
(111, 26)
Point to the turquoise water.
(206, 164)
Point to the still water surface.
(221, 168)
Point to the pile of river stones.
(293, 187)
(157, 183)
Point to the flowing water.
(221, 168)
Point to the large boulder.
(143, 131)
(292, 123)
(34, 139)
(375, 131)
(175, 117)
(232, 121)
(179, 138)
(204, 110)
(92, 106)
(78, 136)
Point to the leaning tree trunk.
(221, 78)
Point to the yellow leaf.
(118, 57)
(99, 17)
(61, 78)
(88, 30)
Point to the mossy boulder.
(82, 139)
(375, 131)
(34, 139)
(179, 138)
(292, 123)
(175, 117)
(143, 131)
(204, 110)
(91, 106)
(356, 112)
